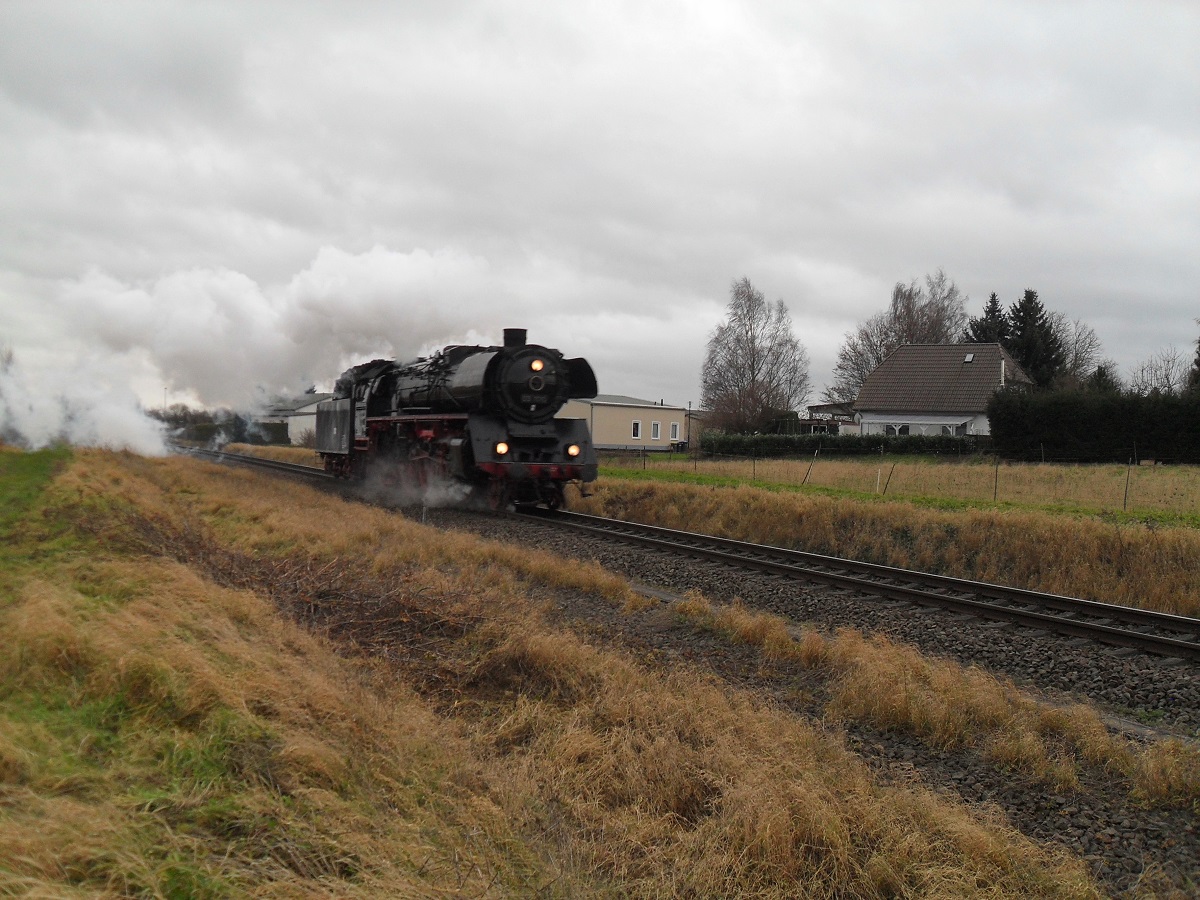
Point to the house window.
(655, 431)
(896, 430)
(674, 431)
(637, 430)
(954, 430)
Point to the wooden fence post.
(811, 464)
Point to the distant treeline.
(1096, 426)
(220, 426)
(237, 431)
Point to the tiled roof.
(282, 406)
(937, 378)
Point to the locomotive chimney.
(514, 337)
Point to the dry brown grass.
(533, 763)
(684, 789)
(333, 769)
(1128, 564)
(892, 686)
(248, 756)
(301, 456)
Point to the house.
(303, 418)
(829, 418)
(935, 389)
(298, 413)
(618, 422)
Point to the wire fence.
(1138, 488)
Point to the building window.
(896, 430)
(655, 431)
(637, 430)
(674, 431)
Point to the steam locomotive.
(481, 416)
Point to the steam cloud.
(379, 488)
(229, 340)
(222, 338)
(75, 404)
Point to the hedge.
(1096, 427)
(762, 445)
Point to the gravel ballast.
(1131, 849)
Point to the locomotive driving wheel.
(497, 495)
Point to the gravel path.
(1132, 851)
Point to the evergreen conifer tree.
(1032, 341)
(1103, 379)
(990, 328)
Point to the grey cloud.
(139, 63)
(296, 183)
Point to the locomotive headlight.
(573, 450)
(537, 365)
(501, 448)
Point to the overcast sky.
(226, 199)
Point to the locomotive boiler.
(481, 416)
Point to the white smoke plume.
(75, 403)
(219, 338)
(383, 488)
(230, 341)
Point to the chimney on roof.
(514, 337)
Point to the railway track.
(1121, 626)
(262, 463)
(1142, 630)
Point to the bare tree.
(1080, 346)
(861, 352)
(1194, 375)
(755, 368)
(942, 314)
(933, 314)
(1166, 372)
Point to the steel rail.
(261, 462)
(1103, 622)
